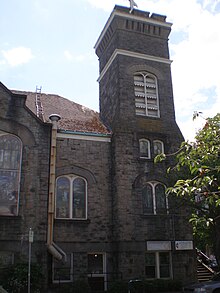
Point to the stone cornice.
(134, 55)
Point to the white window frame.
(2, 133)
(71, 271)
(104, 266)
(143, 99)
(157, 264)
(153, 184)
(6, 259)
(71, 178)
(148, 155)
(162, 146)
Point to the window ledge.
(75, 221)
(155, 215)
(7, 217)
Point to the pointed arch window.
(10, 172)
(154, 198)
(146, 94)
(71, 197)
(158, 147)
(144, 148)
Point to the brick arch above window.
(79, 171)
(19, 130)
(131, 70)
(144, 178)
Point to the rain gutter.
(53, 248)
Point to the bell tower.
(136, 103)
(133, 50)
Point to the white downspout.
(56, 251)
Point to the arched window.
(146, 94)
(144, 148)
(71, 197)
(147, 194)
(10, 172)
(158, 147)
(154, 198)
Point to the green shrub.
(145, 286)
(15, 278)
(161, 285)
(118, 287)
(78, 286)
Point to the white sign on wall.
(183, 245)
(159, 245)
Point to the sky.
(50, 44)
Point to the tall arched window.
(71, 197)
(158, 147)
(148, 202)
(10, 172)
(144, 148)
(154, 198)
(146, 94)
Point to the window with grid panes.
(144, 148)
(158, 147)
(146, 95)
(63, 271)
(157, 265)
(10, 172)
(71, 197)
(154, 199)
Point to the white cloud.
(190, 128)
(196, 65)
(211, 5)
(17, 56)
(2, 62)
(107, 5)
(77, 58)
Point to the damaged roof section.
(74, 117)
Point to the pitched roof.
(74, 117)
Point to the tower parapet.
(121, 32)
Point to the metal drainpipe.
(56, 251)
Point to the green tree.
(197, 167)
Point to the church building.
(86, 182)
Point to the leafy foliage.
(157, 285)
(78, 286)
(198, 169)
(15, 278)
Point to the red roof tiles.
(74, 117)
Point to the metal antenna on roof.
(38, 103)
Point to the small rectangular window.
(97, 276)
(150, 266)
(158, 265)
(164, 260)
(6, 259)
(95, 263)
(144, 148)
(63, 272)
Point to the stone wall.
(16, 119)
